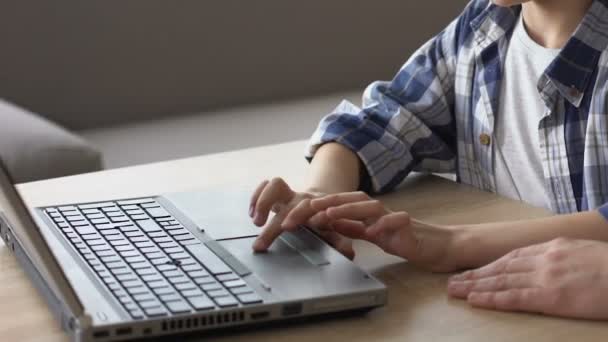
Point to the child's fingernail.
(251, 211)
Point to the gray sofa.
(148, 80)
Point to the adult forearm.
(480, 244)
(334, 168)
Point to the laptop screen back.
(32, 240)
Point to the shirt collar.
(572, 70)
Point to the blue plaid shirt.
(438, 113)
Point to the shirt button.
(485, 139)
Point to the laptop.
(173, 264)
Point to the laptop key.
(144, 297)
(178, 306)
(88, 229)
(192, 293)
(235, 283)
(90, 211)
(151, 277)
(95, 205)
(137, 290)
(201, 303)
(249, 298)
(225, 277)
(132, 283)
(136, 314)
(188, 242)
(226, 301)
(179, 280)
(145, 271)
(135, 201)
(218, 293)
(185, 286)
(198, 274)
(163, 291)
(157, 212)
(240, 290)
(149, 226)
(119, 219)
(100, 221)
(204, 280)
(155, 311)
(139, 217)
(211, 286)
(170, 297)
(110, 258)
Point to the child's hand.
(357, 216)
(291, 210)
(562, 277)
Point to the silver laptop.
(174, 264)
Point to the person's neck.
(550, 23)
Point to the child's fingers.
(390, 222)
(255, 196)
(335, 200)
(276, 192)
(350, 228)
(319, 221)
(368, 211)
(269, 233)
(300, 214)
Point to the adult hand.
(291, 209)
(562, 277)
(356, 215)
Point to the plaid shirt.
(438, 113)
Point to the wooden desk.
(418, 308)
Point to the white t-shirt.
(517, 160)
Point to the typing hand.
(356, 215)
(562, 277)
(291, 210)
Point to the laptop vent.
(219, 319)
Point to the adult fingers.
(527, 299)
(334, 200)
(276, 192)
(502, 282)
(254, 197)
(500, 266)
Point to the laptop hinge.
(75, 326)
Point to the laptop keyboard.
(151, 263)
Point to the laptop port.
(292, 309)
(101, 334)
(123, 331)
(259, 315)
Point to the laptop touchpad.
(221, 213)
